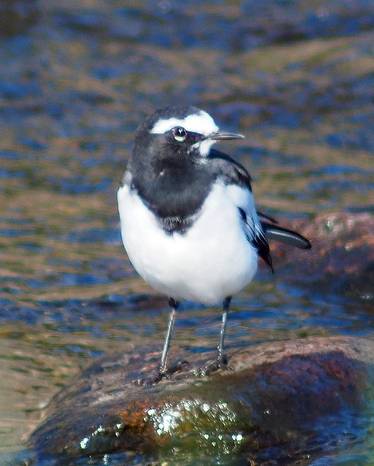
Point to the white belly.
(209, 262)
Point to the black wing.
(255, 236)
(233, 172)
(258, 234)
(230, 169)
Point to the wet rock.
(273, 401)
(342, 256)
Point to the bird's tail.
(285, 236)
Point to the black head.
(175, 135)
(168, 168)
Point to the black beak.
(222, 136)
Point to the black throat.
(174, 186)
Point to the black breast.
(175, 193)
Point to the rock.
(270, 406)
(342, 255)
(274, 403)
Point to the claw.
(213, 366)
(156, 376)
(178, 366)
(150, 380)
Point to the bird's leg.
(221, 359)
(163, 366)
(162, 371)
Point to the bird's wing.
(258, 230)
(229, 169)
(239, 183)
(256, 235)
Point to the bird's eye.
(179, 134)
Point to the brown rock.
(342, 255)
(271, 398)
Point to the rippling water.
(296, 77)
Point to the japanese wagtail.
(188, 217)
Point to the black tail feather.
(285, 236)
(266, 217)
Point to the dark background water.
(76, 78)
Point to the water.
(296, 77)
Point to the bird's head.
(173, 133)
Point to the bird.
(188, 218)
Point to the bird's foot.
(151, 379)
(179, 366)
(212, 366)
(157, 375)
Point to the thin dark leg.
(226, 307)
(174, 306)
(211, 366)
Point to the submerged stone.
(272, 402)
(342, 255)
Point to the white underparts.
(210, 261)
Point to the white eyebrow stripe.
(200, 122)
